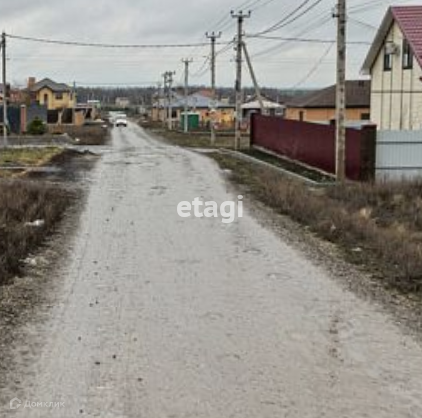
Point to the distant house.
(17, 96)
(320, 106)
(200, 103)
(394, 62)
(55, 96)
(86, 113)
(270, 108)
(122, 102)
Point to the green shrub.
(37, 127)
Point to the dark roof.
(50, 84)
(358, 94)
(409, 19)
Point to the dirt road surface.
(155, 316)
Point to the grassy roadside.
(30, 205)
(86, 135)
(27, 156)
(22, 204)
(194, 139)
(378, 226)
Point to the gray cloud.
(167, 21)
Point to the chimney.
(31, 82)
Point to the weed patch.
(378, 226)
(21, 204)
(196, 139)
(11, 157)
(85, 135)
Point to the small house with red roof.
(394, 63)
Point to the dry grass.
(14, 161)
(86, 135)
(379, 226)
(27, 156)
(196, 139)
(24, 202)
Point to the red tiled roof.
(409, 19)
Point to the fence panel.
(310, 143)
(398, 155)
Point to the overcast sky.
(277, 63)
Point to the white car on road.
(120, 121)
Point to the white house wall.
(396, 95)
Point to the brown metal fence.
(314, 144)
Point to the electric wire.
(104, 45)
(315, 67)
(292, 17)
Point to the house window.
(365, 116)
(407, 55)
(59, 96)
(301, 115)
(388, 60)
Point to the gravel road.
(155, 316)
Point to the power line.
(261, 5)
(316, 24)
(135, 83)
(367, 5)
(225, 49)
(372, 5)
(305, 40)
(292, 16)
(315, 67)
(292, 13)
(203, 69)
(104, 45)
(363, 24)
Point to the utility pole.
(186, 61)
(254, 80)
(5, 120)
(170, 75)
(213, 37)
(168, 82)
(159, 102)
(240, 16)
(341, 92)
(74, 103)
(165, 112)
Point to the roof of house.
(268, 104)
(409, 19)
(358, 94)
(205, 92)
(196, 100)
(50, 84)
